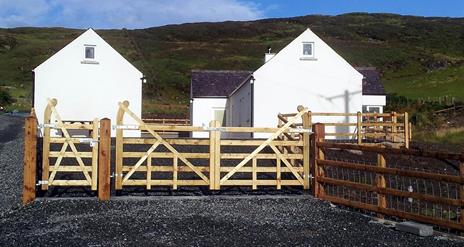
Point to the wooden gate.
(70, 151)
(135, 167)
(284, 153)
(157, 161)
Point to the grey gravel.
(212, 220)
(11, 163)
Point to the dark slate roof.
(371, 82)
(216, 83)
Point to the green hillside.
(419, 57)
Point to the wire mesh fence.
(416, 185)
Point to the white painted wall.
(202, 112)
(239, 107)
(325, 83)
(374, 100)
(86, 91)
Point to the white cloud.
(122, 13)
(22, 12)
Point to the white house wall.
(203, 112)
(326, 83)
(240, 109)
(374, 100)
(84, 90)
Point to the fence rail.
(375, 179)
(167, 121)
(393, 127)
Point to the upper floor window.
(308, 49)
(89, 52)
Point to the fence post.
(381, 184)
(394, 127)
(214, 156)
(119, 146)
(406, 130)
(306, 119)
(104, 158)
(359, 127)
(30, 159)
(46, 144)
(316, 153)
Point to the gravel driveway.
(212, 220)
(11, 161)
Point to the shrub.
(5, 98)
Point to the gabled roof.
(216, 83)
(371, 81)
(84, 37)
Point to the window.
(308, 49)
(372, 109)
(89, 52)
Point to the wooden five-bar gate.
(213, 162)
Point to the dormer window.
(308, 49)
(89, 52)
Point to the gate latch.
(90, 141)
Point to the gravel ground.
(294, 219)
(11, 163)
(198, 221)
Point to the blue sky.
(148, 13)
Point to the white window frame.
(313, 50)
(90, 60)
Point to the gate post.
(104, 158)
(30, 159)
(406, 130)
(306, 119)
(317, 136)
(214, 156)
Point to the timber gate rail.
(400, 182)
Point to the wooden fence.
(213, 162)
(411, 184)
(368, 127)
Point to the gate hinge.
(49, 125)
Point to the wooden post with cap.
(30, 159)
(104, 159)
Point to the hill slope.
(419, 57)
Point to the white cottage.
(306, 72)
(88, 78)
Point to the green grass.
(441, 82)
(452, 138)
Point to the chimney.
(268, 56)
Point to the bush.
(5, 98)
